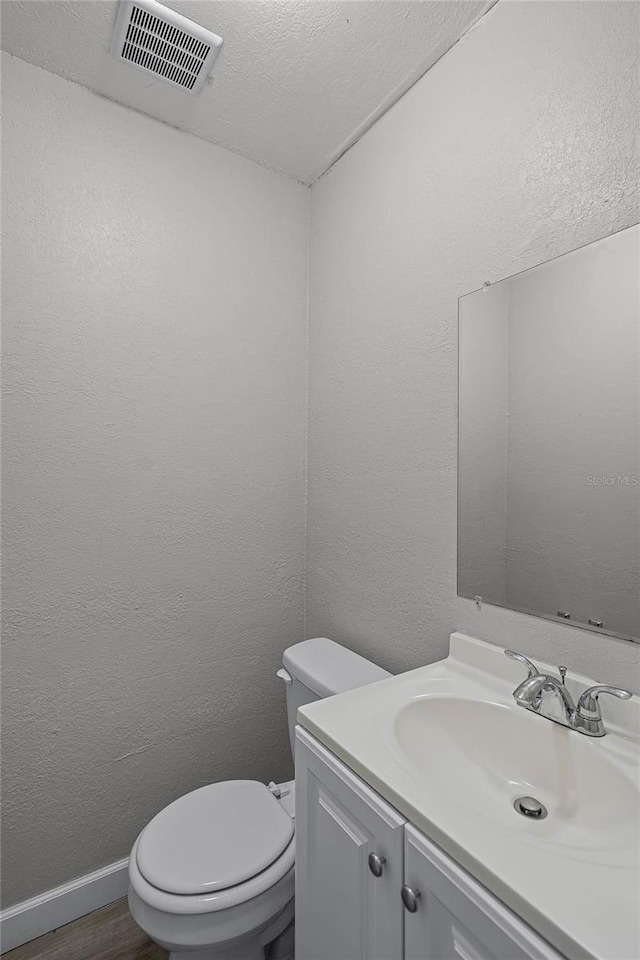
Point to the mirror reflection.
(549, 439)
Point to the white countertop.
(579, 890)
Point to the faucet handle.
(531, 667)
(588, 706)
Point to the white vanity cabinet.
(349, 856)
(453, 917)
(421, 906)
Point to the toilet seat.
(272, 882)
(214, 838)
(279, 874)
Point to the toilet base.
(270, 940)
(253, 949)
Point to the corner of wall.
(306, 421)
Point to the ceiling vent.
(153, 38)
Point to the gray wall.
(155, 323)
(519, 145)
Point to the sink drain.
(530, 807)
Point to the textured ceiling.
(296, 83)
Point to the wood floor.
(107, 934)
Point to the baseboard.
(31, 918)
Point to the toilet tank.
(318, 668)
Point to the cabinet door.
(456, 918)
(344, 911)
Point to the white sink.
(485, 755)
(448, 746)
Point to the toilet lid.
(214, 838)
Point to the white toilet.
(211, 877)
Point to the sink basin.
(485, 755)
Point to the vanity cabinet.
(349, 856)
(455, 917)
(370, 886)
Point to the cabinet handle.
(376, 864)
(410, 898)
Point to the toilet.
(211, 877)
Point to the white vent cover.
(159, 41)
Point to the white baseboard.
(31, 918)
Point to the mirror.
(549, 439)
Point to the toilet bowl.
(211, 877)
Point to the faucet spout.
(548, 696)
(530, 690)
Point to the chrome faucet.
(548, 696)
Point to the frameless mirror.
(549, 439)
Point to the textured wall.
(519, 145)
(155, 329)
